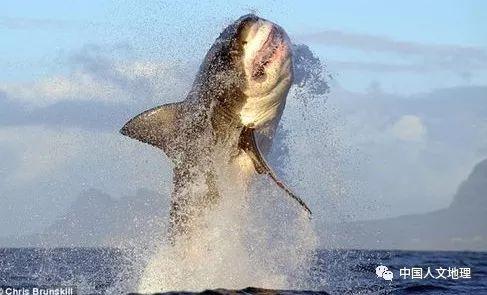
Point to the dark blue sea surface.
(103, 271)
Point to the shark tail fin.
(162, 127)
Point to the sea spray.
(251, 238)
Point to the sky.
(404, 121)
(36, 35)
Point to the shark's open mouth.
(273, 48)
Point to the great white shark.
(234, 105)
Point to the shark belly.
(263, 109)
(260, 111)
(261, 114)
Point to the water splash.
(242, 242)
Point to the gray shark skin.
(235, 104)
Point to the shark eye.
(244, 43)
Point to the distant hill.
(461, 226)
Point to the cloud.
(99, 91)
(93, 115)
(46, 168)
(128, 82)
(383, 44)
(411, 152)
(47, 155)
(409, 128)
(96, 76)
(78, 85)
(430, 56)
(379, 66)
(99, 116)
(59, 135)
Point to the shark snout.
(266, 45)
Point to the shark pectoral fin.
(249, 144)
(160, 126)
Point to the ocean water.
(107, 271)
